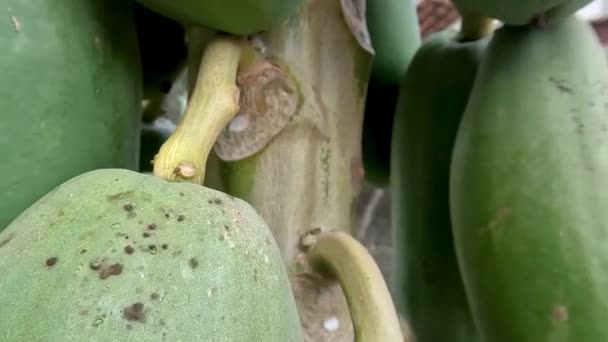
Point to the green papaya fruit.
(153, 136)
(241, 17)
(395, 35)
(163, 50)
(522, 12)
(433, 96)
(528, 208)
(71, 94)
(115, 255)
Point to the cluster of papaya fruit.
(495, 157)
(99, 244)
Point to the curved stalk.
(339, 255)
(475, 27)
(213, 103)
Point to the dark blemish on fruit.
(227, 227)
(134, 312)
(152, 247)
(560, 85)
(50, 262)
(154, 296)
(165, 246)
(126, 237)
(129, 327)
(82, 251)
(94, 265)
(7, 240)
(128, 207)
(129, 250)
(152, 226)
(131, 214)
(162, 323)
(146, 235)
(182, 194)
(180, 218)
(217, 201)
(112, 270)
(167, 215)
(193, 262)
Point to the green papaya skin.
(528, 203)
(71, 93)
(433, 96)
(240, 17)
(522, 12)
(115, 255)
(395, 34)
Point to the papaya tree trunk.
(294, 149)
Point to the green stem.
(213, 103)
(475, 27)
(371, 307)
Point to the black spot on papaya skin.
(152, 248)
(106, 271)
(182, 194)
(7, 240)
(135, 313)
(165, 246)
(561, 85)
(146, 235)
(50, 262)
(128, 207)
(94, 265)
(154, 296)
(129, 249)
(217, 201)
(152, 226)
(180, 218)
(82, 251)
(193, 262)
(227, 227)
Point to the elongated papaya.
(115, 255)
(432, 100)
(528, 204)
(231, 16)
(70, 90)
(395, 35)
(522, 12)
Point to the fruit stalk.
(213, 103)
(338, 255)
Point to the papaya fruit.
(522, 12)
(242, 17)
(116, 255)
(163, 51)
(428, 287)
(395, 35)
(528, 208)
(70, 95)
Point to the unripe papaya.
(115, 255)
(529, 210)
(428, 286)
(241, 17)
(522, 12)
(70, 90)
(395, 36)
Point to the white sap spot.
(239, 123)
(331, 324)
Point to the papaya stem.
(475, 27)
(338, 255)
(213, 103)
